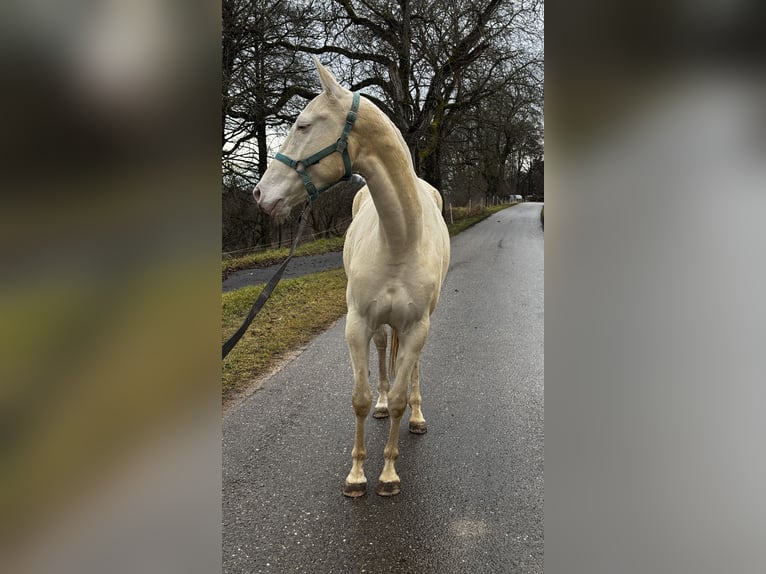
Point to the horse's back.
(432, 192)
(362, 239)
(365, 223)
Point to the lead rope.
(266, 293)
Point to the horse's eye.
(303, 127)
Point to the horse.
(396, 253)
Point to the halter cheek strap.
(340, 146)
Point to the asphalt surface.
(472, 487)
(297, 267)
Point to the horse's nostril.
(257, 194)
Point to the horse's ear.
(329, 83)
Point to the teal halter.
(340, 146)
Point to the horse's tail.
(394, 352)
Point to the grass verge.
(463, 222)
(297, 310)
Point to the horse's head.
(307, 161)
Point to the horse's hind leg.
(417, 421)
(380, 337)
(410, 345)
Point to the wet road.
(472, 487)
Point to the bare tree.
(263, 86)
(461, 79)
(425, 62)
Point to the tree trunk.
(431, 168)
(263, 148)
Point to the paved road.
(472, 487)
(298, 267)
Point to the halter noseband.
(340, 146)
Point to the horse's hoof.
(388, 488)
(354, 489)
(380, 413)
(418, 428)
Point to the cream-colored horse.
(396, 252)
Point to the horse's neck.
(385, 162)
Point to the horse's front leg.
(380, 338)
(410, 345)
(358, 339)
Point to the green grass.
(297, 310)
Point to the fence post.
(450, 214)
